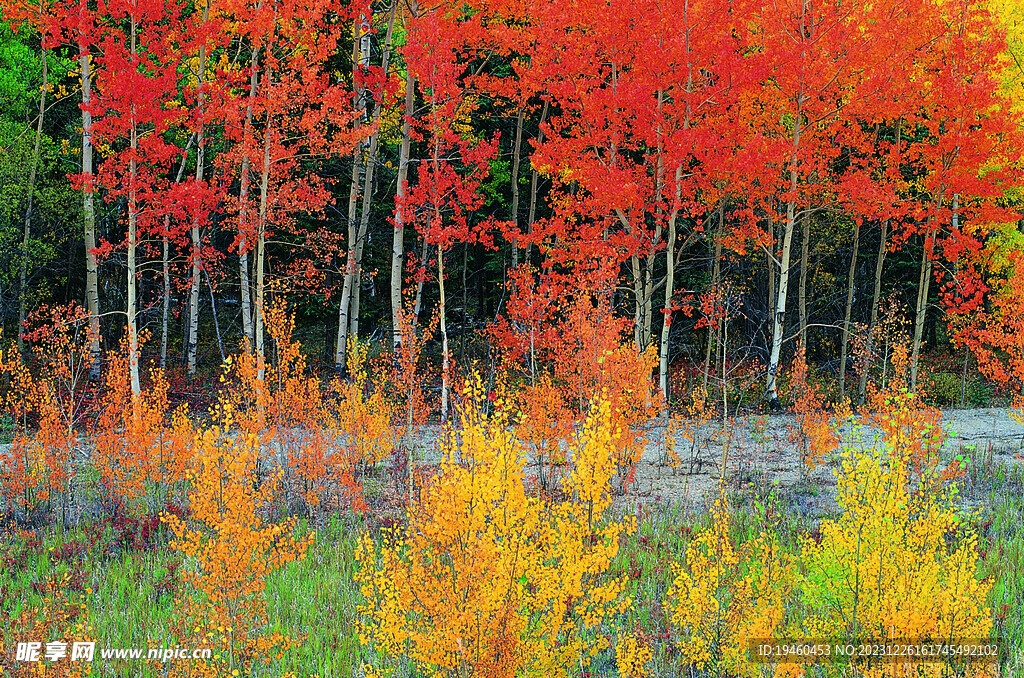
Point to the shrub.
(232, 548)
(488, 581)
(898, 563)
(726, 595)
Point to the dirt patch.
(760, 455)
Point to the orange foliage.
(910, 428)
(134, 448)
(286, 412)
(545, 425)
(234, 548)
(61, 617)
(815, 432)
(52, 398)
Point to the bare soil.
(761, 457)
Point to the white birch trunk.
(92, 288)
(133, 222)
(398, 237)
(193, 318)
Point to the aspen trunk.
(659, 178)
(517, 154)
(638, 297)
(850, 275)
(716, 275)
(341, 344)
(261, 244)
(444, 335)
(670, 280)
(216, 322)
(647, 336)
(133, 217)
(779, 316)
(166, 265)
(29, 203)
(417, 304)
(193, 318)
(261, 227)
(92, 287)
(398, 239)
(243, 208)
(923, 287)
(368, 184)
(883, 245)
(769, 262)
(533, 185)
(802, 292)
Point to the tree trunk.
(193, 319)
(444, 334)
(850, 275)
(533, 184)
(670, 280)
(716, 276)
(30, 202)
(638, 297)
(341, 343)
(923, 286)
(216, 322)
(883, 245)
(802, 292)
(659, 175)
(417, 304)
(92, 287)
(243, 208)
(778, 318)
(517, 155)
(368, 183)
(261, 227)
(133, 222)
(261, 241)
(344, 305)
(166, 265)
(398, 242)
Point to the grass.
(131, 591)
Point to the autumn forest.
(378, 338)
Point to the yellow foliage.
(725, 596)
(1010, 15)
(898, 563)
(631, 657)
(594, 461)
(486, 580)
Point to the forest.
(342, 336)
(795, 172)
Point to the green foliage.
(20, 69)
(944, 389)
(493, 186)
(7, 429)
